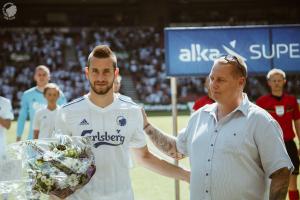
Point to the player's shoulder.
(258, 113)
(31, 91)
(263, 97)
(126, 100)
(76, 103)
(4, 100)
(290, 96)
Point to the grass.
(146, 184)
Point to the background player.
(33, 99)
(44, 118)
(284, 108)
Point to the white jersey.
(113, 129)
(44, 121)
(5, 113)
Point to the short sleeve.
(182, 142)
(8, 111)
(296, 113)
(272, 151)
(138, 138)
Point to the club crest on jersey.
(121, 121)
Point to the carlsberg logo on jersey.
(104, 138)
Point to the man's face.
(224, 85)
(41, 77)
(276, 83)
(101, 75)
(51, 95)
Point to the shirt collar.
(243, 107)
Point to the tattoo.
(163, 142)
(279, 184)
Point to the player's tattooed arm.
(164, 142)
(279, 184)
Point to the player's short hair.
(275, 71)
(102, 51)
(44, 68)
(239, 64)
(51, 86)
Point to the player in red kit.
(205, 99)
(284, 108)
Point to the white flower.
(72, 180)
(44, 178)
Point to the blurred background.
(61, 33)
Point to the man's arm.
(279, 184)
(297, 128)
(148, 160)
(22, 117)
(36, 134)
(5, 123)
(165, 143)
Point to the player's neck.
(101, 100)
(278, 93)
(40, 88)
(51, 106)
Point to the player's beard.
(103, 90)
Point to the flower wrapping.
(58, 166)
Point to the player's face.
(101, 75)
(41, 77)
(276, 83)
(51, 95)
(224, 86)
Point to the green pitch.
(146, 184)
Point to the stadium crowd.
(64, 50)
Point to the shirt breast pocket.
(232, 141)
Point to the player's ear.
(116, 72)
(86, 70)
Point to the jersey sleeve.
(138, 138)
(272, 153)
(23, 113)
(296, 113)
(61, 126)
(8, 111)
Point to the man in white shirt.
(43, 124)
(233, 145)
(115, 126)
(6, 115)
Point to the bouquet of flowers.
(58, 166)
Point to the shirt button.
(208, 160)
(216, 131)
(206, 191)
(206, 174)
(212, 145)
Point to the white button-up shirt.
(231, 159)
